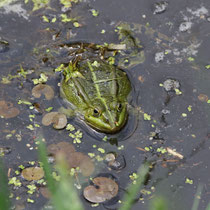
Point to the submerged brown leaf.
(7, 110)
(106, 189)
(203, 97)
(82, 161)
(62, 147)
(59, 120)
(74, 159)
(46, 90)
(32, 173)
(48, 118)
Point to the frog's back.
(101, 80)
(107, 79)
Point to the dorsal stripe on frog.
(114, 86)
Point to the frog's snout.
(105, 124)
(112, 122)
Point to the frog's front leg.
(68, 112)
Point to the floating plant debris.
(58, 120)
(46, 90)
(7, 110)
(203, 97)
(4, 45)
(74, 159)
(171, 85)
(160, 7)
(5, 150)
(103, 189)
(114, 161)
(32, 173)
(62, 147)
(48, 118)
(82, 161)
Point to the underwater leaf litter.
(46, 90)
(7, 110)
(58, 120)
(103, 189)
(74, 160)
(32, 173)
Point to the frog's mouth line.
(102, 126)
(106, 128)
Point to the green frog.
(97, 92)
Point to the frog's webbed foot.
(67, 112)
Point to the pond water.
(171, 85)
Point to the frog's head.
(108, 118)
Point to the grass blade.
(158, 203)
(64, 195)
(4, 191)
(133, 189)
(208, 207)
(47, 169)
(197, 197)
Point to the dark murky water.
(181, 119)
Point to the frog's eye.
(96, 112)
(119, 107)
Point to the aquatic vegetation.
(115, 161)
(74, 160)
(38, 4)
(133, 189)
(32, 173)
(64, 193)
(103, 189)
(43, 79)
(7, 110)
(68, 3)
(58, 120)
(158, 203)
(46, 90)
(4, 46)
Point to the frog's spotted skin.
(99, 93)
